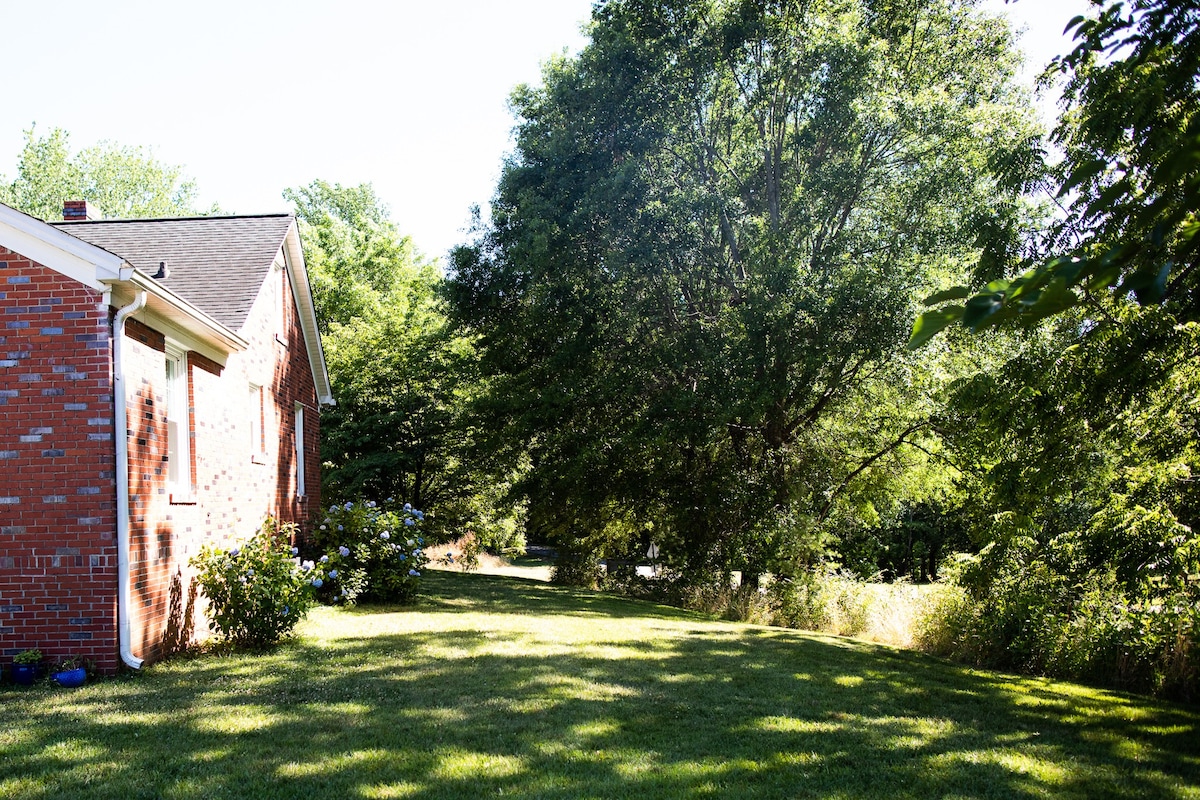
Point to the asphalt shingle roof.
(218, 264)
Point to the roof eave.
(302, 291)
(165, 303)
(35, 239)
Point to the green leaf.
(1085, 171)
(1148, 285)
(931, 323)
(979, 308)
(1108, 197)
(953, 293)
(1077, 20)
(1056, 297)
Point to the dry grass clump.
(888, 613)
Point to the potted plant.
(27, 666)
(72, 671)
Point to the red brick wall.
(58, 560)
(58, 557)
(236, 484)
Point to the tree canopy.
(122, 181)
(693, 296)
(1079, 440)
(400, 374)
(1129, 183)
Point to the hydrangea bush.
(256, 591)
(370, 552)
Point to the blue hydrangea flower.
(410, 521)
(343, 551)
(348, 506)
(317, 582)
(333, 573)
(306, 565)
(296, 550)
(233, 552)
(324, 559)
(385, 535)
(408, 506)
(413, 573)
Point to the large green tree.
(122, 181)
(399, 374)
(693, 293)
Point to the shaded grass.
(496, 686)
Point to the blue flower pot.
(26, 674)
(70, 678)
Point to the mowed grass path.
(504, 687)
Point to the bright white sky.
(255, 96)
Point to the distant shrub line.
(1027, 619)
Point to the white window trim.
(179, 447)
(298, 449)
(257, 415)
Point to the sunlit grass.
(495, 686)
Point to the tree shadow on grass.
(471, 592)
(696, 710)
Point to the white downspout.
(121, 432)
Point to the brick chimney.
(74, 210)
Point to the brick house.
(198, 338)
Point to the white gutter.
(173, 306)
(121, 427)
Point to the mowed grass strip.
(505, 687)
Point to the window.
(254, 412)
(298, 449)
(179, 460)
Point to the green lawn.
(497, 686)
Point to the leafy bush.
(370, 553)
(462, 552)
(821, 601)
(576, 567)
(1017, 608)
(256, 592)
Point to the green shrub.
(462, 552)
(944, 620)
(256, 592)
(798, 602)
(576, 568)
(1017, 610)
(368, 553)
(821, 601)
